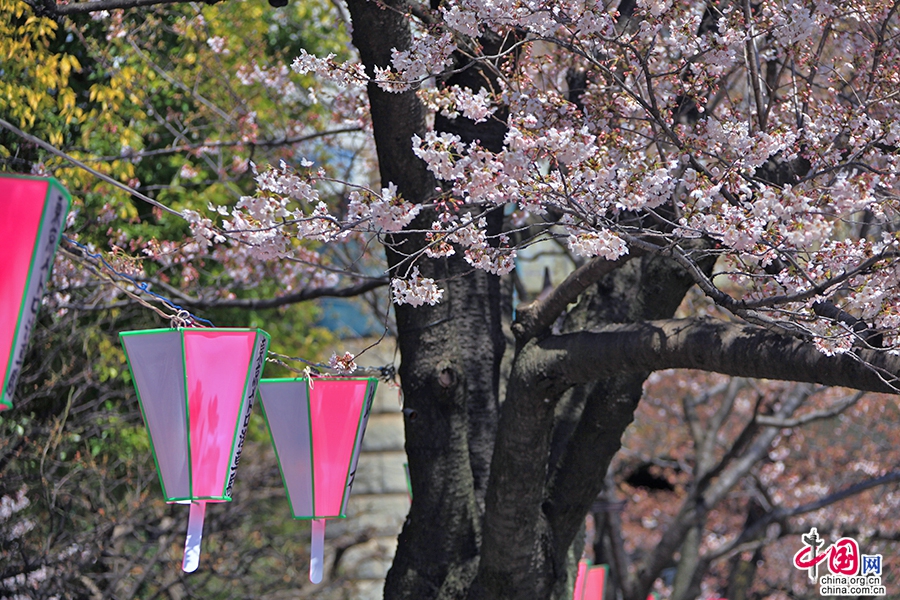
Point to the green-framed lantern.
(590, 581)
(33, 214)
(317, 427)
(196, 387)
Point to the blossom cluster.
(636, 129)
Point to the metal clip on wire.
(181, 319)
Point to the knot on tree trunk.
(448, 378)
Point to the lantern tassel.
(317, 551)
(194, 535)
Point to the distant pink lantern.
(590, 581)
(196, 390)
(33, 214)
(583, 566)
(317, 428)
(595, 582)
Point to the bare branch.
(300, 296)
(532, 319)
(98, 5)
(813, 416)
(270, 143)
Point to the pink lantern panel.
(590, 581)
(317, 429)
(583, 566)
(33, 214)
(594, 583)
(196, 389)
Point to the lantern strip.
(157, 368)
(216, 376)
(368, 395)
(291, 438)
(33, 212)
(251, 385)
(336, 431)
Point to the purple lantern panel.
(33, 214)
(196, 390)
(317, 429)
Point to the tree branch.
(781, 514)
(838, 408)
(98, 5)
(533, 318)
(705, 494)
(269, 143)
(300, 296)
(559, 362)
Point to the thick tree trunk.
(533, 512)
(450, 354)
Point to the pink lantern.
(33, 214)
(590, 581)
(196, 389)
(317, 428)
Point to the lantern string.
(54, 150)
(181, 318)
(387, 373)
(112, 281)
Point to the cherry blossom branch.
(752, 57)
(820, 288)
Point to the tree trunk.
(450, 354)
(533, 512)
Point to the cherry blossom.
(415, 290)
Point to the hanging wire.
(53, 150)
(181, 317)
